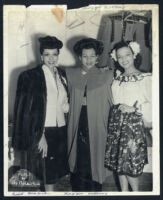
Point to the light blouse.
(129, 89)
(57, 101)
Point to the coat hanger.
(130, 16)
(76, 22)
(136, 16)
(118, 16)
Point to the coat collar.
(93, 78)
(93, 70)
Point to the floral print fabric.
(126, 149)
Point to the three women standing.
(40, 127)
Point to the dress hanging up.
(116, 29)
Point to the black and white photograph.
(81, 100)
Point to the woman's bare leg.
(123, 182)
(134, 183)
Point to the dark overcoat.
(30, 108)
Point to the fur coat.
(30, 108)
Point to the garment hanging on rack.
(136, 30)
(148, 34)
(115, 30)
(118, 30)
(130, 31)
(117, 35)
(105, 36)
(146, 64)
(110, 34)
(136, 19)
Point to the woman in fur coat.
(39, 116)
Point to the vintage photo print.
(81, 100)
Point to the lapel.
(43, 93)
(61, 75)
(42, 82)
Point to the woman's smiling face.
(88, 58)
(50, 57)
(125, 57)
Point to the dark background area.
(76, 4)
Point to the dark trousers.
(81, 180)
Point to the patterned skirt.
(126, 148)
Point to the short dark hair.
(88, 43)
(50, 42)
(137, 60)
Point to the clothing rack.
(131, 17)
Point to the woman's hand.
(126, 109)
(42, 146)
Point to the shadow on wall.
(12, 88)
(70, 44)
(36, 46)
(17, 71)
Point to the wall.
(26, 25)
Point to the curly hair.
(88, 43)
(137, 60)
(49, 42)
